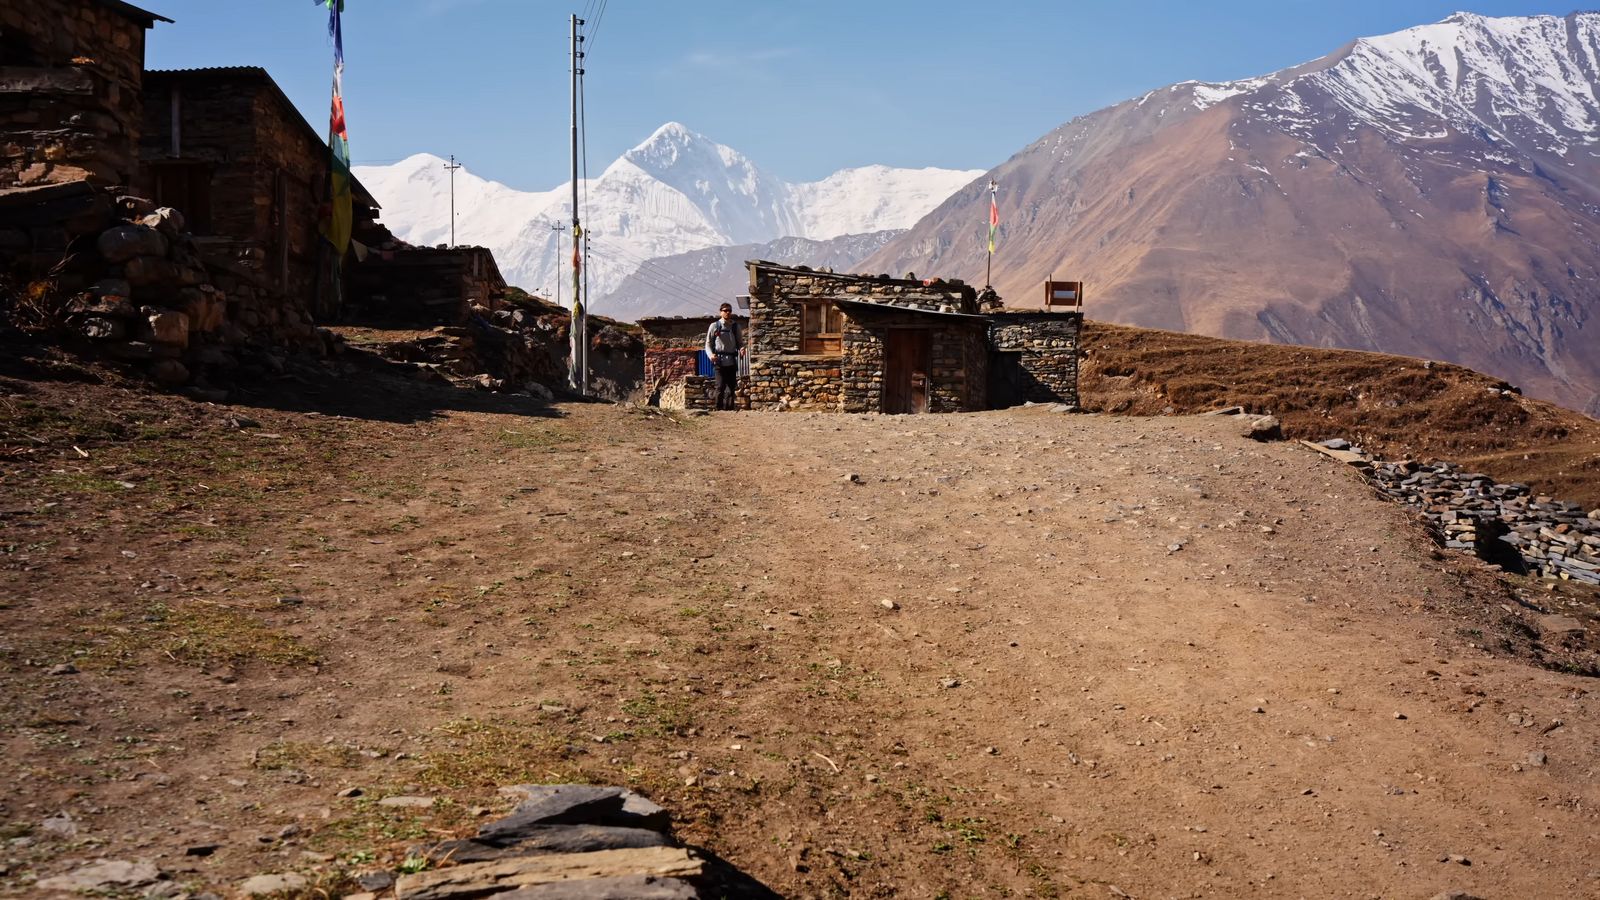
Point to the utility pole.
(577, 376)
(452, 165)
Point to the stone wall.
(958, 360)
(125, 281)
(1047, 348)
(69, 92)
(691, 392)
(228, 146)
(424, 286)
(783, 377)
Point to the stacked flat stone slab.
(69, 91)
(1047, 348)
(1473, 513)
(134, 286)
(570, 841)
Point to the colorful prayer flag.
(338, 220)
(994, 216)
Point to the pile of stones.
(1473, 513)
(133, 287)
(562, 842)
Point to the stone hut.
(863, 343)
(426, 286)
(70, 73)
(227, 147)
(858, 343)
(677, 374)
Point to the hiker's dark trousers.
(728, 387)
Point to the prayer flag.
(994, 217)
(338, 219)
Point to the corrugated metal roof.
(143, 16)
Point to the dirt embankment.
(1017, 653)
(1394, 406)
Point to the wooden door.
(905, 370)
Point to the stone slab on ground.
(103, 875)
(533, 839)
(561, 804)
(488, 878)
(631, 887)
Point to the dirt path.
(1138, 657)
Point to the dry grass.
(197, 633)
(1392, 405)
(476, 754)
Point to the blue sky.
(803, 88)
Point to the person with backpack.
(725, 346)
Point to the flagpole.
(994, 209)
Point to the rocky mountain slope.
(1434, 192)
(675, 192)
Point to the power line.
(661, 282)
(696, 286)
(599, 17)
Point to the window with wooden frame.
(821, 327)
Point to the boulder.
(169, 373)
(103, 875)
(125, 242)
(101, 328)
(145, 271)
(1264, 428)
(266, 885)
(169, 327)
(166, 220)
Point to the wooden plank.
(1348, 457)
(479, 879)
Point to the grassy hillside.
(1395, 406)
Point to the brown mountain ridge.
(1432, 193)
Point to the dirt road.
(1011, 653)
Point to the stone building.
(677, 373)
(425, 286)
(862, 343)
(227, 147)
(70, 73)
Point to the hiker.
(725, 346)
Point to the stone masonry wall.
(781, 377)
(958, 361)
(1049, 346)
(692, 392)
(268, 169)
(69, 93)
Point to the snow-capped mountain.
(676, 192)
(1433, 192)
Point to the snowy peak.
(1527, 81)
(677, 191)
